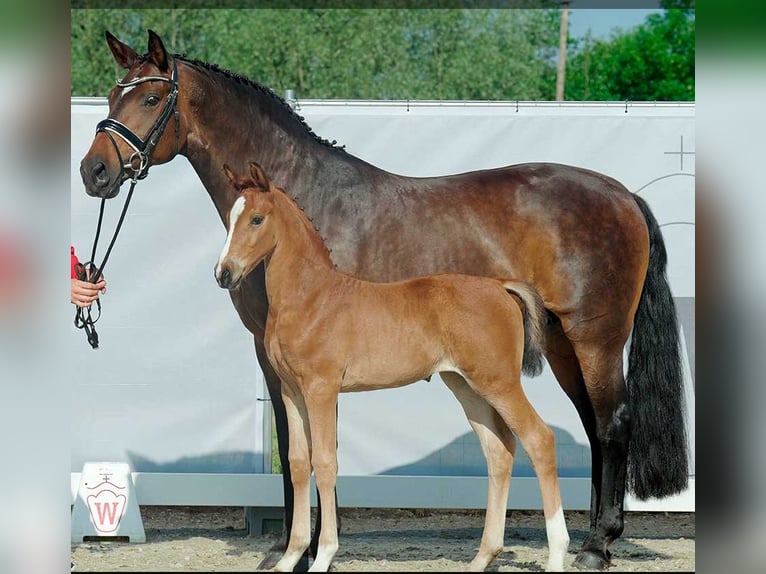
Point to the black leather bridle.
(142, 148)
(142, 151)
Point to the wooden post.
(561, 69)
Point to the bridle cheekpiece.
(142, 148)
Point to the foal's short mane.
(261, 89)
(309, 222)
(246, 182)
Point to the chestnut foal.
(328, 333)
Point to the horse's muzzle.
(97, 181)
(226, 280)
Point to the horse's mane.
(269, 93)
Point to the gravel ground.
(194, 539)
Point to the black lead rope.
(83, 319)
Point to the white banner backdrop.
(175, 386)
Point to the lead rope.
(83, 318)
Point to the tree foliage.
(440, 54)
(339, 53)
(654, 61)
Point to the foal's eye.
(152, 100)
(256, 221)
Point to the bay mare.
(328, 333)
(593, 251)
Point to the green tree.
(654, 61)
(342, 53)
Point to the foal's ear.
(259, 178)
(233, 179)
(157, 51)
(124, 55)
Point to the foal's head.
(251, 230)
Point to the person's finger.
(87, 287)
(81, 301)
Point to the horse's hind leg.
(602, 367)
(510, 401)
(566, 367)
(498, 445)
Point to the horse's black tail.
(657, 455)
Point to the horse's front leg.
(321, 402)
(314, 546)
(300, 472)
(274, 385)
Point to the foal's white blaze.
(236, 211)
(558, 541)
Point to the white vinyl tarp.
(178, 386)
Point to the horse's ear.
(124, 55)
(230, 174)
(157, 51)
(259, 178)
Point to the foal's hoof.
(274, 555)
(592, 560)
(270, 560)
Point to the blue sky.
(602, 22)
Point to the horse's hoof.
(591, 560)
(270, 560)
(303, 564)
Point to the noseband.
(142, 148)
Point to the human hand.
(83, 293)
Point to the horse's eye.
(152, 100)
(256, 221)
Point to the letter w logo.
(106, 509)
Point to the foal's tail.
(534, 325)
(657, 455)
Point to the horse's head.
(142, 127)
(251, 227)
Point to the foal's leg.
(499, 446)
(314, 546)
(321, 402)
(274, 385)
(280, 417)
(538, 441)
(300, 469)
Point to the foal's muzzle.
(226, 280)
